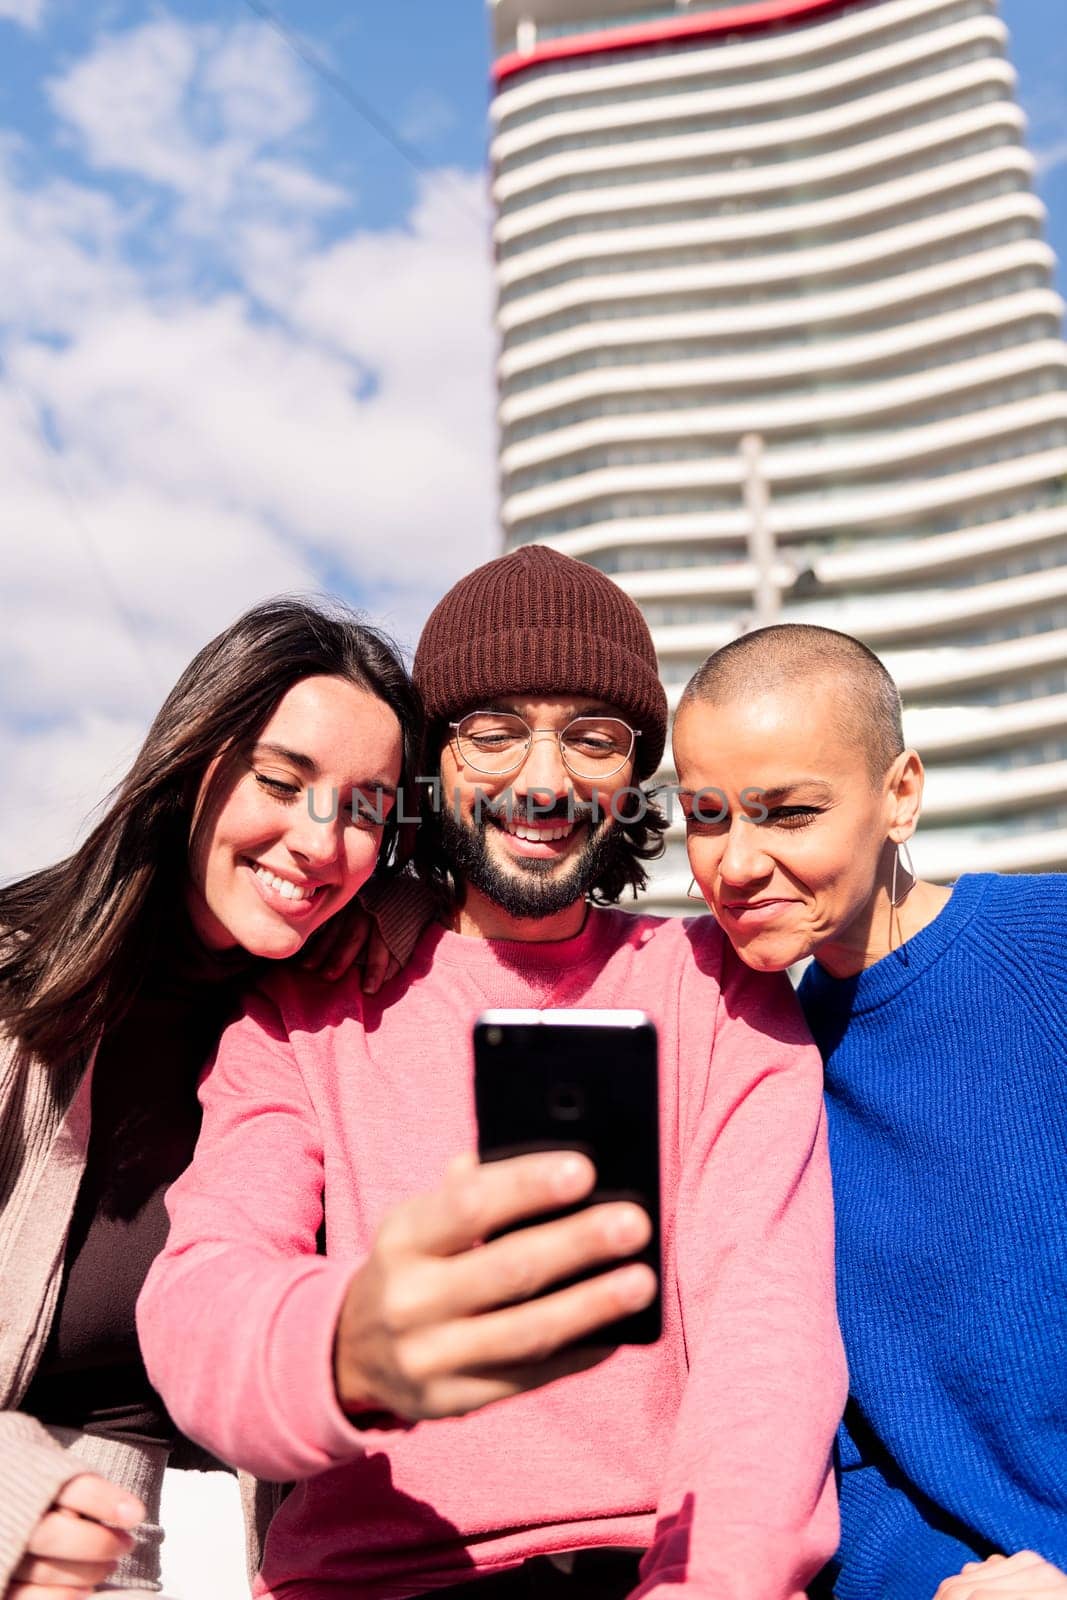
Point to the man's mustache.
(533, 812)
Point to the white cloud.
(1049, 158)
(173, 451)
(28, 12)
(426, 117)
(260, 91)
(61, 251)
(266, 420)
(138, 584)
(195, 109)
(54, 780)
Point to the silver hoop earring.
(902, 849)
(689, 895)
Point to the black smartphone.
(578, 1080)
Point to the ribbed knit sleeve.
(33, 1469)
(946, 1072)
(43, 1134)
(909, 1546)
(401, 907)
(1018, 948)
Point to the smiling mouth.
(543, 833)
(740, 906)
(288, 888)
(544, 840)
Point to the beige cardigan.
(44, 1140)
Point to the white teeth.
(288, 891)
(538, 835)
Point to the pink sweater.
(711, 1447)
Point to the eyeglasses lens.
(596, 747)
(492, 741)
(497, 742)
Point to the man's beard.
(534, 887)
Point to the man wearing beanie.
(418, 1381)
(512, 635)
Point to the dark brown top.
(145, 1122)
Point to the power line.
(81, 523)
(317, 62)
(408, 152)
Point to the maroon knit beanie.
(537, 622)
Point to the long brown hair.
(81, 935)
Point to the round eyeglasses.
(496, 742)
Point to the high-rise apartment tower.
(779, 340)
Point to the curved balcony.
(848, 405)
(925, 558)
(946, 860)
(863, 157)
(902, 615)
(572, 37)
(786, 220)
(761, 369)
(939, 553)
(856, 33)
(1005, 161)
(948, 731)
(801, 311)
(954, 730)
(837, 259)
(856, 512)
(933, 614)
(829, 462)
(941, 667)
(981, 793)
(991, 72)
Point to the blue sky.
(244, 346)
(424, 64)
(1038, 51)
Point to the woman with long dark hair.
(260, 802)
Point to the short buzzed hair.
(793, 652)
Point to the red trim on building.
(762, 14)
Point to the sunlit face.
(551, 849)
(783, 886)
(265, 872)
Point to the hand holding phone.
(437, 1321)
(585, 1081)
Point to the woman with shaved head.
(942, 1017)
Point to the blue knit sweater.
(946, 1074)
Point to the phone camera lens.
(493, 1035)
(566, 1102)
